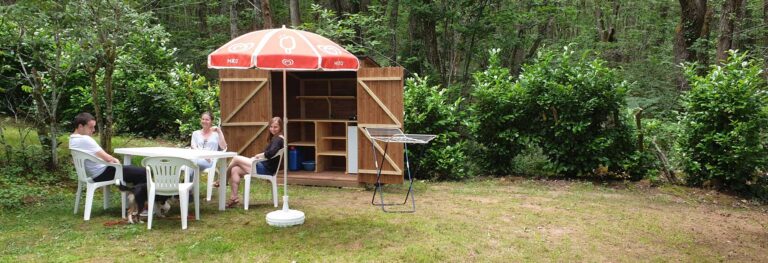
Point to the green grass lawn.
(482, 220)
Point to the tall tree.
(47, 53)
(394, 7)
(729, 20)
(690, 29)
(107, 26)
(422, 27)
(765, 37)
(232, 19)
(605, 29)
(266, 14)
(256, 21)
(295, 13)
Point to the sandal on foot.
(233, 202)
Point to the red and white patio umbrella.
(287, 50)
(283, 49)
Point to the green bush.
(431, 110)
(723, 124)
(578, 120)
(498, 118)
(24, 178)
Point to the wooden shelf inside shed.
(332, 153)
(302, 143)
(327, 97)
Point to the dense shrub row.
(568, 112)
(570, 107)
(724, 124)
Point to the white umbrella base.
(285, 217)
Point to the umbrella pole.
(285, 217)
(285, 142)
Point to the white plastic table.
(186, 154)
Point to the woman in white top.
(208, 138)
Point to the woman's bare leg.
(239, 161)
(234, 181)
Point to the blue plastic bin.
(308, 165)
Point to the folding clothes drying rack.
(394, 135)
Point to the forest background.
(663, 90)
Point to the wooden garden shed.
(327, 114)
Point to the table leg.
(127, 159)
(196, 181)
(222, 183)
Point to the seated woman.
(241, 165)
(207, 138)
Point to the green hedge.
(723, 124)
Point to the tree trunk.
(765, 37)
(429, 34)
(256, 23)
(202, 19)
(687, 32)
(364, 5)
(266, 14)
(393, 17)
(110, 56)
(689, 29)
(738, 41)
(728, 23)
(295, 13)
(518, 52)
(606, 33)
(232, 20)
(337, 7)
(92, 73)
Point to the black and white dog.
(137, 197)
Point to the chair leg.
(247, 191)
(209, 186)
(184, 206)
(151, 208)
(106, 197)
(77, 195)
(89, 191)
(274, 190)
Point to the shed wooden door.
(245, 109)
(379, 104)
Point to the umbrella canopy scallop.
(283, 49)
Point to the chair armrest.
(118, 172)
(118, 167)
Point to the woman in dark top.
(241, 165)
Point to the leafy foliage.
(499, 117)
(24, 178)
(723, 123)
(359, 33)
(577, 105)
(431, 109)
(571, 107)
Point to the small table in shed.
(387, 136)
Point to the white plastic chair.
(79, 158)
(270, 177)
(163, 178)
